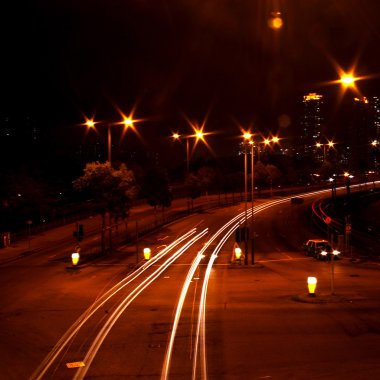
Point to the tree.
(273, 174)
(112, 189)
(207, 178)
(156, 188)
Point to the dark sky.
(170, 58)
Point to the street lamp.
(332, 180)
(248, 139)
(329, 144)
(198, 135)
(127, 121)
(348, 177)
(333, 255)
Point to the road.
(234, 322)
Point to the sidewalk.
(141, 221)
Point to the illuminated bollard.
(147, 253)
(312, 284)
(237, 253)
(75, 258)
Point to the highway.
(187, 313)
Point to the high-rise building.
(362, 130)
(311, 122)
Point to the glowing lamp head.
(175, 136)
(247, 135)
(90, 123)
(147, 253)
(347, 80)
(311, 284)
(75, 258)
(128, 121)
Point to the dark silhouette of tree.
(112, 189)
(156, 189)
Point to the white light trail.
(91, 353)
(70, 333)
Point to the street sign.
(348, 228)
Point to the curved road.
(247, 323)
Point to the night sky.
(219, 59)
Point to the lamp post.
(332, 180)
(248, 139)
(127, 122)
(198, 135)
(333, 254)
(330, 144)
(247, 136)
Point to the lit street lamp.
(332, 180)
(330, 144)
(127, 121)
(348, 177)
(198, 135)
(248, 139)
(333, 255)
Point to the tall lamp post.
(198, 135)
(330, 144)
(127, 122)
(248, 139)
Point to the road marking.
(75, 364)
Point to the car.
(296, 200)
(315, 247)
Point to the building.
(311, 123)
(363, 128)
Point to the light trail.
(77, 325)
(201, 324)
(200, 338)
(91, 353)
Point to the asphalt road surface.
(189, 313)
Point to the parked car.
(315, 247)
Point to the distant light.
(275, 21)
(275, 139)
(247, 135)
(312, 96)
(175, 136)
